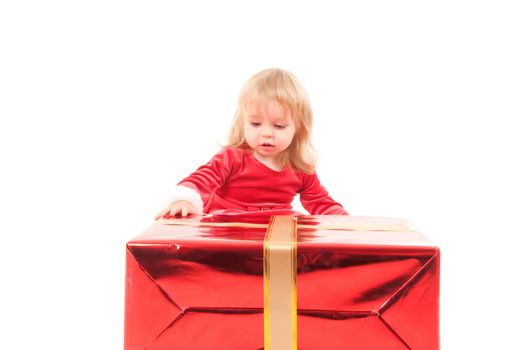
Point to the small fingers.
(174, 210)
(161, 214)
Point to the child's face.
(268, 129)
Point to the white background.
(104, 105)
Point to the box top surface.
(317, 229)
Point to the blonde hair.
(281, 86)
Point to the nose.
(267, 132)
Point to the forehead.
(271, 109)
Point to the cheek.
(287, 137)
(248, 134)
(246, 131)
(291, 134)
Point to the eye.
(255, 124)
(279, 126)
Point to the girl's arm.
(316, 200)
(196, 189)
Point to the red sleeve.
(316, 199)
(211, 176)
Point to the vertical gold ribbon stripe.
(280, 323)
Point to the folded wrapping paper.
(361, 283)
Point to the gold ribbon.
(280, 326)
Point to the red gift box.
(360, 283)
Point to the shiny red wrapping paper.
(201, 287)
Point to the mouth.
(267, 145)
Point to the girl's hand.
(178, 208)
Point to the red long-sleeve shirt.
(235, 179)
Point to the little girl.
(268, 159)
